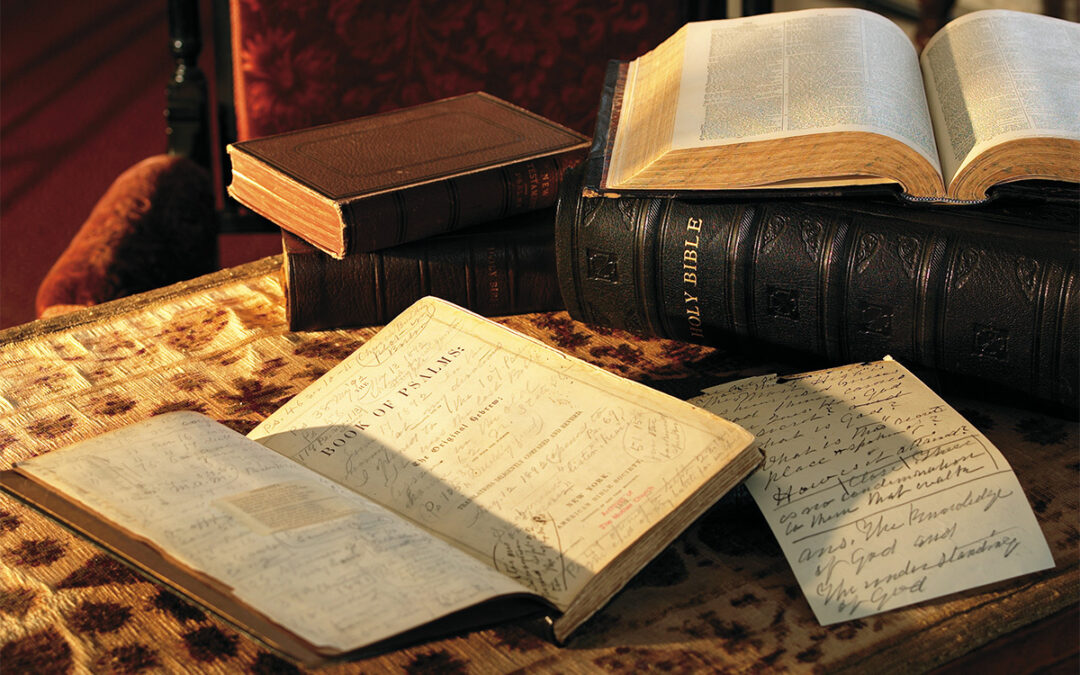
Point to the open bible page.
(997, 75)
(311, 556)
(540, 465)
(879, 493)
(795, 73)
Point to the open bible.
(449, 473)
(834, 98)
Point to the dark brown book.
(989, 293)
(506, 267)
(395, 177)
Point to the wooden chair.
(280, 66)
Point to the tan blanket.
(721, 598)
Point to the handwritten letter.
(880, 494)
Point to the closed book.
(987, 293)
(505, 267)
(395, 177)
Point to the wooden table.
(721, 598)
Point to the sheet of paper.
(880, 494)
(321, 561)
(540, 465)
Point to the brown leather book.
(507, 267)
(391, 178)
(989, 293)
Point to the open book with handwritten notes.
(450, 473)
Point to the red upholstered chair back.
(304, 62)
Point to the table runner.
(720, 598)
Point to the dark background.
(82, 95)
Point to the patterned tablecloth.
(721, 598)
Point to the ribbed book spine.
(979, 294)
(507, 267)
(414, 213)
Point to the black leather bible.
(988, 292)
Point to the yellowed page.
(797, 73)
(997, 75)
(643, 129)
(538, 464)
(880, 494)
(312, 556)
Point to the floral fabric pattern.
(305, 62)
(720, 598)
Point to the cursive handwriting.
(881, 494)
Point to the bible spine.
(978, 294)
(443, 206)
(502, 268)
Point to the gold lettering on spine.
(492, 275)
(690, 262)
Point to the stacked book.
(454, 199)
(926, 208)
(795, 180)
(807, 180)
(923, 207)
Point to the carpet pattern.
(721, 598)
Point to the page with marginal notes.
(538, 464)
(326, 564)
(879, 493)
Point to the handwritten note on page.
(880, 494)
(319, 560)
(539, 465)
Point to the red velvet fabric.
(307, 62)
(154, 226)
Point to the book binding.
(506, 267)
(976, 294)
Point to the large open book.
(830, 98)
(451, 472)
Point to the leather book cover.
(457, 156)
(506, 267)
(989, 294)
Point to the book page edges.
(1044, 157)
(288, 203)
(151, 561)
(605, 585)
(849, 158)
(647, 111)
